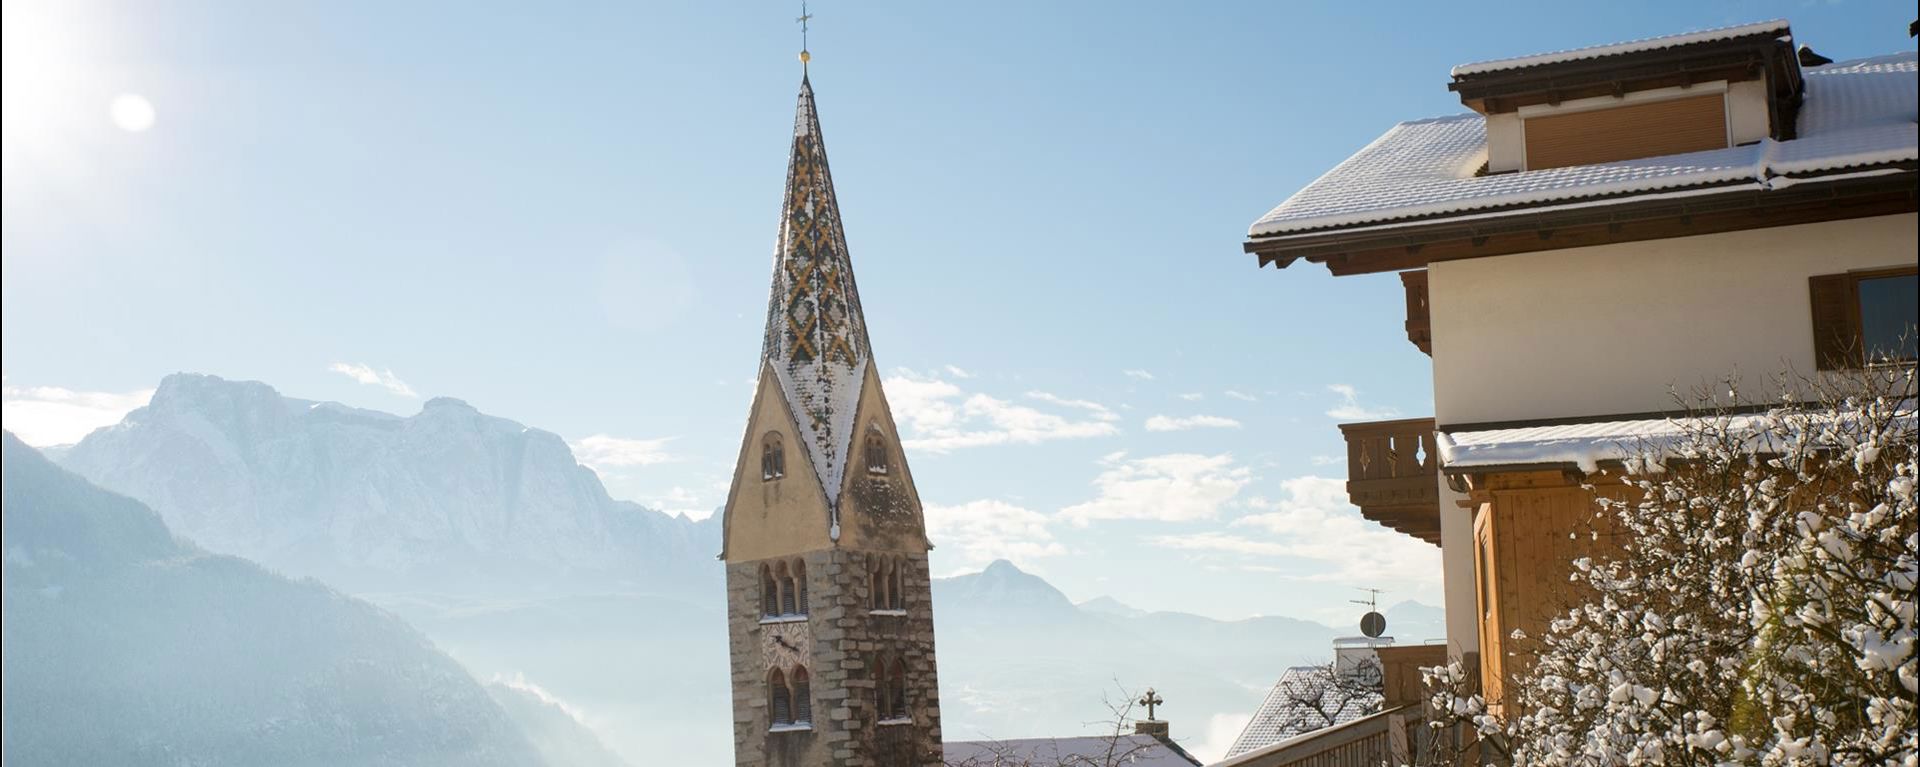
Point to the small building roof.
(1285, 714)
(1616, 49)
(1858, 116)
(1130, 749)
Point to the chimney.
(1155, 727)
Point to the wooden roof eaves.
(1757, 51)
(1413, 244)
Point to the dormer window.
(876, 454)
(773, 457)
(1647, 98)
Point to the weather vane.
(802, 20)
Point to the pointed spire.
(816, 339)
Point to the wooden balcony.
(1393, 475)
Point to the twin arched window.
(789, 697)
(890, 689)
(783, 588)
(886, 583)
(773, 457)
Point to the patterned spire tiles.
(816, 338)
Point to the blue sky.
(566, 217)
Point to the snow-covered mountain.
(375, 501)
(126, 646)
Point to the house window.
(1863, 317)
(773, 457)
(1632, 131)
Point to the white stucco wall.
(1609, 329)
(1456, 570)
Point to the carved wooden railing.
(1393, 475)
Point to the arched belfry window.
(773, 457)
(769, 592)
(780, 699)
(802, 696)
(897, 588)
(876, 451)
(890, 690)
(799, 588)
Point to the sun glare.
(132, 112)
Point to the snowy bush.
(1759, 608)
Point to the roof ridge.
(1624, 46)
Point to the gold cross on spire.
(802, 20)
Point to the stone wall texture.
(844, 641)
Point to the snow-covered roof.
(1630, 46)
(816, 338)
(1585, 445)
(1856, 114)
(1129, 749)
(1289, 710)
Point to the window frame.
(1836, 314)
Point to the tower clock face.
(785, 645)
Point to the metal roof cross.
(1150, 700)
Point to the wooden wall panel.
(1646, 129)
(1531, 537)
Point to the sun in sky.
(56, 91)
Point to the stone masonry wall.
(846, 639)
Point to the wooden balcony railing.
(1393, 475)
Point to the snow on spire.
(816, 338)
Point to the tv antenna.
(1373, 624)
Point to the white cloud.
(986, 530)
(43, 416)
(601, 451)
(1173, 487)
(1183, 423)
(942, 417)
(957, 372)
(1350, 409)
(1137, 373)
(1242, 396)
(1315, 522)
(1327, 460)
(365, 374)
(1099, 411)
(1192, 396)
(1222, 730)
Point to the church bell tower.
(830, 619)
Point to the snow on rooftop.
(1856, 113)
(1291, 709)
(1585, 445)
(1630, 46)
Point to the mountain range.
(448, 497)
(124, 645)
(487, 536)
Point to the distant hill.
(124, 646)
(446, 498)
(1104, 605)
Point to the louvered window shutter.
(782, 704)
(802, 580)
(787, 595)
(802, 702)
(1836, 321)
